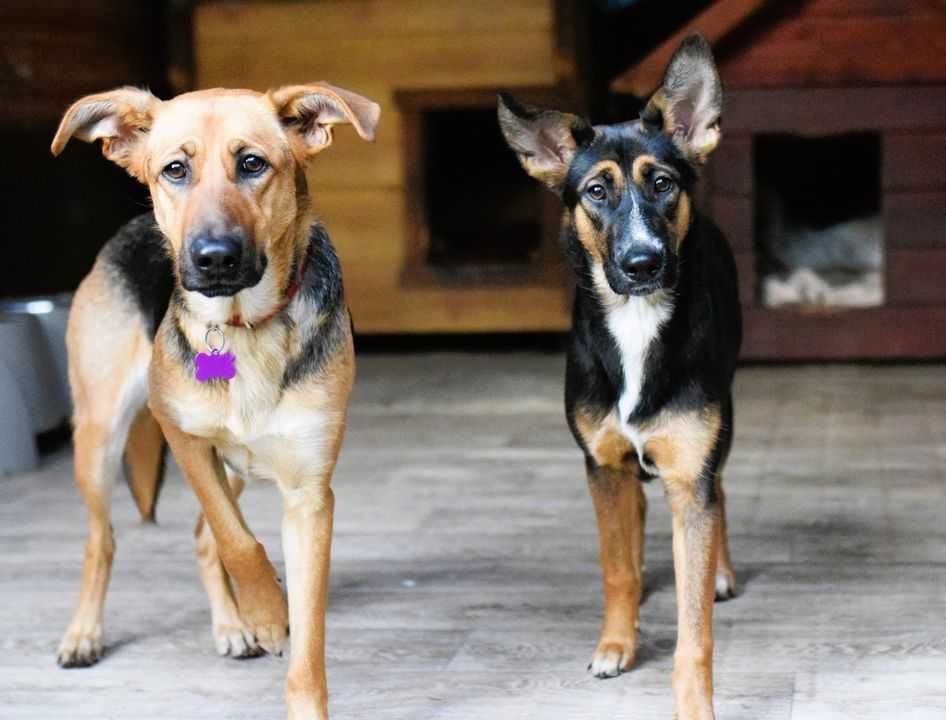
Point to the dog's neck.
(291, 290)
(634, 324)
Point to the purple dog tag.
(217, 365)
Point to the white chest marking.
(258, 430)
(634, 323)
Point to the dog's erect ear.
(545, 141)
(688, 105)
(119, 118)
(311, 111)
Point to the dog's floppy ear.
(545, 141)
(311, 112)
(119, 118)
(689, 103)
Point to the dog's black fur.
(693, 359)
(691, 362)
(137, 260)
(656, 331)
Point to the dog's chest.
(634, 325)
(259, 429)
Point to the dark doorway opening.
(819, 237)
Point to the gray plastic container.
(33, 347)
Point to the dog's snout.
(220, 263)
(217, 257)
(642, 265)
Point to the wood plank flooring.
(465, 583)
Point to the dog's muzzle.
(639, 271)
(217, 265)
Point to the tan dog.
(233, 262)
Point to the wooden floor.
(464, 582)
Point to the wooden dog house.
(439, 230)
(870, 74)
(437, 227)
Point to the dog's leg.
(307, 542)
(98, 438)
(695, 548)
(94, 472)
(681, 452)
(620, 508)
(103, 415)
(725, 577)
(262, 605)
(231, 636)
(144, 454)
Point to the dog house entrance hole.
(819, 235)
(483, 216)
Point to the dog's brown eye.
(175, 171)
(663, 184)
(252, 164)
(597, 192)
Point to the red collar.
(291, 291)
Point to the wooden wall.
(831, 66)
(58, 212)
(377, 48)
(911, 122)
(819, 43)
(54, 51)
(814, 66)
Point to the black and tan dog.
(655, 338)
(232, 264)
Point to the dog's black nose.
(642, 266)
(217, 257)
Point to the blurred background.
(834, 123)
(464, 580)
(830, 183)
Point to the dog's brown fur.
(258, 423)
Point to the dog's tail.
(145, 453)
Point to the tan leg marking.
(309, 508)
(105, 394)
(307, 542)
(679, 447)
(725, 576)
(604, 440)
(262, 605)
(82, 644)
(620, 509)
(144, 453)
(231, 636)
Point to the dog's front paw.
(232, 637)
(611, 658)
(272, 636)
(266, 615)
(725, 584)
(235, 640)
(80, 647)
